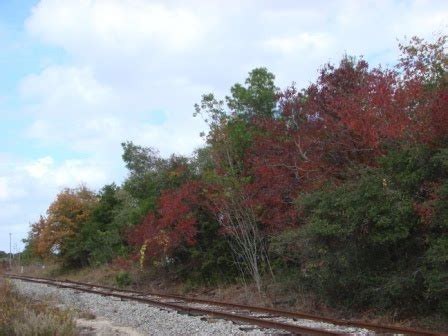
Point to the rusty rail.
(231, 316)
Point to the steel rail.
(279, 312)
(295, 329)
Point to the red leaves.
(347, 119)
(173, 224)
(274, 185)
(431, 122)
(356, 109)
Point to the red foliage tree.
(342, 119)
(350, 116)
(174, 223)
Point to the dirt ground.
(101, 327)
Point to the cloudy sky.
(81, 76)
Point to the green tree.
(102, 237)
(140, 160)
(379, 240)
(257, 99)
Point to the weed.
(123, 279)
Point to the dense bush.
(436, 256)
(359, 234)
(367, 242)
(208, 262)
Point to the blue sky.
(81, 76)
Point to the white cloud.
(74, 172)
(40, 168)
(10, 188)
(4, 189)
(10, 210)
(302, 42)
(80, 113)
(123, 26)
(40, 129)
(68, 173)
(60, 88)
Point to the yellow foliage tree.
(68, 212)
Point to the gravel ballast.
(144, 318)
(149, 320)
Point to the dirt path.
(102, 327)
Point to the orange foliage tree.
(65, 216)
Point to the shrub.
(361, 244)
(123, 279)
(436, 256)
(377, 241)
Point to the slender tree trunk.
(245, 238)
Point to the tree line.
(339, 188)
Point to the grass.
(20, 316)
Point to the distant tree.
(140, 160)
(55, 233)
(149, 173)
(341, 187)
(257, 99)
(424, 69)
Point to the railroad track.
(280, 320)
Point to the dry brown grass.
(103, 274)
(20, 316)
(39, 270)
(100, 274)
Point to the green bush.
(360, 246)
(208, 262)
(436, 256)
(123, 279)
(408, 169)
(375, 241)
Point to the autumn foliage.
(174, 223)
(341, 185)
(64, 219)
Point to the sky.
(78, 77)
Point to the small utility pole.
(10, 251)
